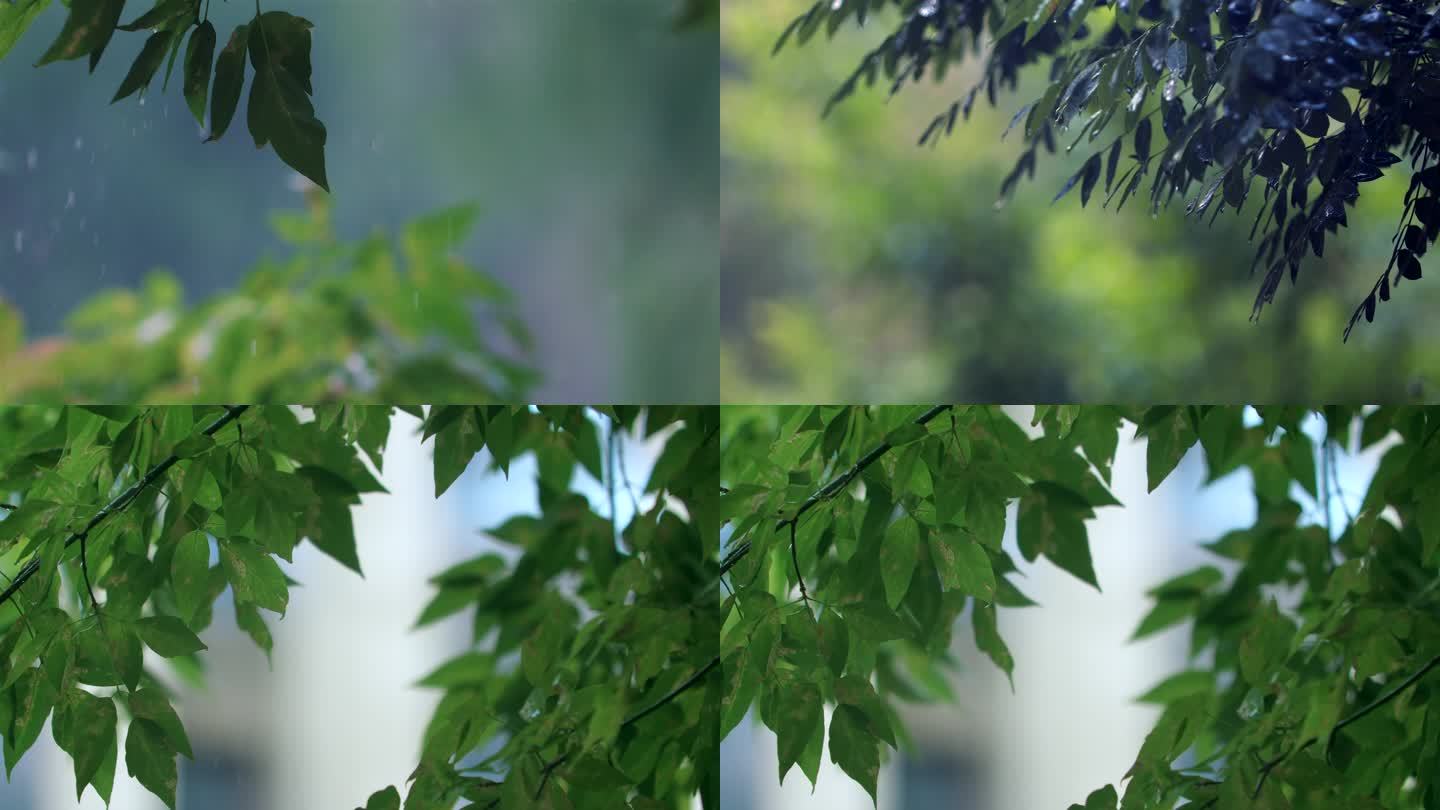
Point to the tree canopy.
(581, 689)
(858, 536)
(1313, 98)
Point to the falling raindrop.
(253, 348)
(377, 143)
(79, 143)
(142, 101)
(32, 158)
(19, 241)
(70, 201)
(82, 224)
(103, 268)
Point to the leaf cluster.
(381, 319)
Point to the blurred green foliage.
(367, 321)
(860, 268)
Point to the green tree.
(374, 321)
(858, 536)
(1311, 98)
(583, 679)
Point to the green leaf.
(1265, 645)
(190, 573)
(193, 445)
(963, 564)
(168, 636)
(87, 30)
(854, 749)
(387, 799)
(987, 639)
(905, 434)
(800, 719)
(1179, 685)
(280, 112)
(1169, 439)
(1049, 525)
(152, 705)
(149, 758)
(31, 699)
(834, 640)
(255, 575)
(90, 735)
(248, 618)
(900, 548)
(198, 56)
(229, 80)
(142, 70)
(15, 17)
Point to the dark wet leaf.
(229, 79)
(144, 67)
(198, 56)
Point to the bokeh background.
(1072, 723)
(336, 713)
(586, 131)
(859, 267)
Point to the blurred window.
(221, 780)
(942, 780)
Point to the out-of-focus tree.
(372, 321)
(858, 267)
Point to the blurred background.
(1071, 725)
(587, 132)
(859, 267)
(337, 715)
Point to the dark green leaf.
(142, 70)
(198, 57)
(149, 758)
(87, 29)
(854, 749)
(168, 636)
(229, 80)
(280, 111)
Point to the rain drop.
(19, 241)
(32, 158)
(79, 143)
(70, 201)
(142, 101)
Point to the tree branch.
(121, 501)
(1266, 768)
(826, 492)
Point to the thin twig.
(121, 501)
(1266, 768)
(795, 557)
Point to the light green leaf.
(190, 572)
(987, 639)
(962, 564)
(15, 17)
(255, 575)
(897, 558)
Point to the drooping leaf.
(229, 80)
